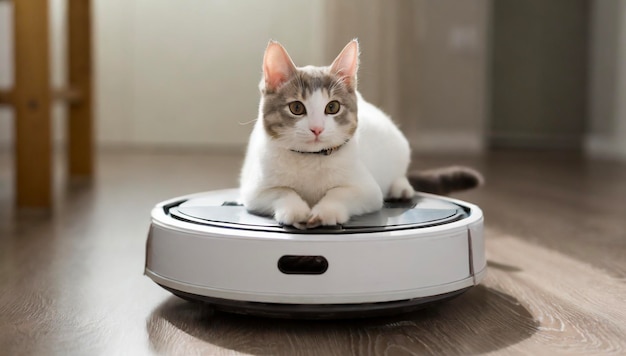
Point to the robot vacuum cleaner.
(207, 247)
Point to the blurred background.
(460, 76)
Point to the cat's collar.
(324, 152)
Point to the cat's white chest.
(311, 175)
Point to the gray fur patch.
(276, 120)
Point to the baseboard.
(9, 146)
(602, 146)
(535, 141)
(6, 146)
(446, 142)
(171, 148)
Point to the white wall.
(424, 62)
(451, 75)
(187, 72)
(175, 73)
(607, 99)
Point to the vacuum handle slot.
(298, 264)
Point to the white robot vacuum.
(207, 247)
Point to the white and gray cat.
(319, 153)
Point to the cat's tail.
(445, 180)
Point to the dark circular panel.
(224, 212)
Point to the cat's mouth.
(314, 143)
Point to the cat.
(319, 153)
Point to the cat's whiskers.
(247, 122)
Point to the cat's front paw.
(327, 215)
(294, 213)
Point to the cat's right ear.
(347, 63)
(277, 66)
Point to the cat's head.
(309, 108)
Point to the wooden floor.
(71, 283)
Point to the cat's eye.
(332, 108)
(297, 108)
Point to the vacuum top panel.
(222, 209)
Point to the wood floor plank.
(556, 250)
(579, 308)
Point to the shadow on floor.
(479, 321)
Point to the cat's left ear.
(347, 63)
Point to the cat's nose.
(317, 130)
